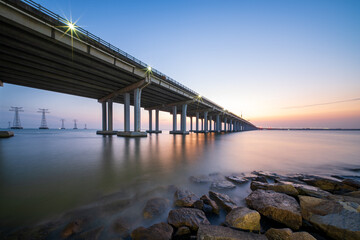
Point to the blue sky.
(254, 58)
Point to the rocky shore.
(279, 207)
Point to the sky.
(277, 63)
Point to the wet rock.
(243, 218)
(237, 179)
(265, 174)
(261, 179)
(199, 204)
(72, 228)
(121, 227)
(330, 185)
(223, 200)
(277, 206)
(6, 134)
(339, 220)
(182, 231)
(200, 179)
(279, 234)
(355, 194)
(212, 232)
(302, 236)
(184, 198)
(93, 234)
(352, 183)
(211, 203)
(159, 231)
(155, 207)
(189, 217)
(222, 184)
(277, 187)
(311, 191)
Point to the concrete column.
(191, 123)
(197, 122)
(127, 112)
(202, 124)
(174, 118)
(206, 121)
(150, 120)
(183, 118)
(210, 120)
(110, 115)
(218, 124)
(215, 125)
(225, 122)
(137, 103)
(157, 120)
(103, 105)
(231, 126)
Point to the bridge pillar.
(137, 117)
(225, 123)
(156, 122)
(150, 120)
(210, 125)
(183, 119)
(206, 122)
(202, 124)
(197, 122)
(110, 115)
(191, 125)
(174, 118)
(104, 124)
(231, 125)
(218, 123)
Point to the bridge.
(41, 49)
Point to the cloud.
(321, 104)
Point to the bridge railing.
(49, 13)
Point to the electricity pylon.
(43, 124)
(16, 122)
(75, 125)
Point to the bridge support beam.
(210, 123)
(191, 124)
(127, 112)
(182, 122)
(107, 118)
(225, 122)
(206, 122)
(218, 123)
(231, 126)
(156, 122)
(197, 122)
(104, 118)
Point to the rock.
(311, 191)
(199, 204)
(223, 200)
(184, 198)
(211, 232)
(355, 194)
(200, 179)
(159, 231)
(182, 231)
(277, 206)
(279, 234)
(277, 187)
(211, 203)
(339, 220)
(265, 174)
(330, 185)
(244, 218)
(302, 236)
(155, 207)
(93, 234)
(237, 179)
(222, 184)
(352, 183)
(261, 179)
(121, 227)
(6, 134)
(189, 217)
(72, 228)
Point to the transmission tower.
(75, 125)
(85, 126)
(9, 124)
(16, 122)
(43, 124)
(62, 123)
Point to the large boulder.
(222, 184)
(159, 231)
(352, 182)
(311, 191)
(184, 198)
(330, 185)
(155, 207)
(223, 200)
(244, 218)
(237, 179)
(189, 217)
(211, 203)
(277, 187)
(277, 206)
(279, 234)
(302, 236)
(338, 219)
(211, 232)
(6, 134)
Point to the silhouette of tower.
(62, 123)
(85, 126)
(75, 125)
(43, 124)
(9, 124)
(16, 122)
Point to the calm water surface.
(49, 172)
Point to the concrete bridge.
(40, 49)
